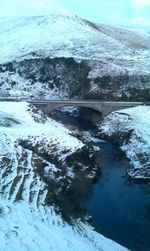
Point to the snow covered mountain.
(68, 36)
(58, 57)
(110, 58)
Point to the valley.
(74, 135)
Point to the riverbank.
(130, 128)
(41, 163)
(119, 208)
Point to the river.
(120, 208)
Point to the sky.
(119, 12)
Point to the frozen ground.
(106, 62)
(25, 227)
(131, 128)
(70, 36)
(26, 221)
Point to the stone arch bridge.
(104, 108)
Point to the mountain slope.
(114, 61)
(67, 36)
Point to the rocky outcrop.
(65, 78)
(73, 59)
(35, 150)
(130, 129)
(119, 88)
(58, 78)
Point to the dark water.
(77, 123)
(120, 208)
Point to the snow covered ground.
(31, 145)
(26, 228)
(131, 128)
(18, 120)
(34, 52)
(26, 221)
(71, 36)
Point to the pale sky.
(120, 12)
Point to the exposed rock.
(73, 59)
(58, 78)
(39, 150)
(130, 129)
(64, 78)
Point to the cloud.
(141, 12)
(140, 3)
(140, 21)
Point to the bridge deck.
(104, 107)
(86, 102)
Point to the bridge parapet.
(104, 108)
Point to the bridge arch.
(104, 108)
(86, 106)
(86, 114)
(50, 108)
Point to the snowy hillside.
(44, 168)
(28, 217)
(71, 36)
(131, 129)
(66, 57)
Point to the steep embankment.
(40, 168)
(131, 129)
(67, 57)
(58, 78)
(29, 140)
